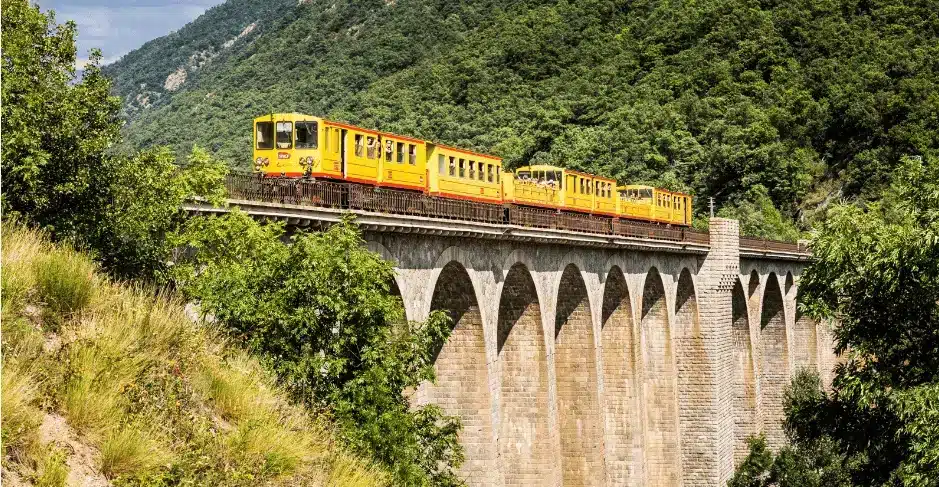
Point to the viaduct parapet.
(578, 359)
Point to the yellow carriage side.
(535, 186)
(604, 196)
(403, 162)
(649, 203)
(347, 150)
(463, 174)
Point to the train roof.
(295, 115)
(645, 186)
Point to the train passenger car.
(556, 187)
(462, 174)
(640, 202)
(589, 193)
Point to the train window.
(359, 145)
(472, 169)
(306, 135)
(441, 162)
(497, 175)
(371, 147)
(480, 173)
(389, 150)
(284, 135)
(489, 176)
(400, 152)
(265, 135)
(524, 175)
(462, 168)
(452, 166)
(412, 154)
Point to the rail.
(383, 200)
(765, 245)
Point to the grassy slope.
(104, 381)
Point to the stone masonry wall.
(774, 366)
(462, 387)
(660, 388)
(745, 420)
(575, 368)
(620, 400)
(524, 442)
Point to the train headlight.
(309, 161)
(267, 162)
(257, 163)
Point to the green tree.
(57, 170)
(876, 274)
(318, 311)
(759, 217)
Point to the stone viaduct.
(586, 360)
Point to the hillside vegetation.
(106, 382)
(805, 102)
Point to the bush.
(319, 313)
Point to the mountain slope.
(811, 101)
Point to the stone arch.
(774, 361)
(452, 254)
(660, 388)
(524, 440)
(745, 420)
(576, 379)
(753, 292)
(620, 403)
(695, 382)
(462, 386)
(397, 283)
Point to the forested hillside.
(797, 102)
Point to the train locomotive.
(294, 145)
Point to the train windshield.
(306, 135)
(284, 135)
(265, 135)
(524, 175)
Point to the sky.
(120, 26)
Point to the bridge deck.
(319, 203)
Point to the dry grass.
(153, 393)
(20, 417)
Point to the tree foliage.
(876, 273)
(319, 312)
(57, 171)
(813, 101)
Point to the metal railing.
(765, 245)
(327, 194)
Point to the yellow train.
(294, 145)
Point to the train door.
(342, 151)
